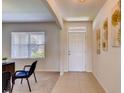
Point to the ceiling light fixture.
(82, 1)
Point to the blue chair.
(24, 74)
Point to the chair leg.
(13, 82)
(21, 80)
(12, 88)
(28, 84)
(35, 78)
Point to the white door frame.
(68, 47)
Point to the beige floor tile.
(45, 84)
(66, 90)
(77, 83)
(88, 90)
(71, 82)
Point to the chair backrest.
(6, 76)
(32, 68)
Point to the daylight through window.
(28, 45)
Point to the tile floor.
(71, 82)
(77, 83)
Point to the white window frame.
(29, 46)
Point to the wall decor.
(98, 44)
(105, 35)
(116, 27)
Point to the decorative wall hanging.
(98, 41)
(116, 27)
(105, 35)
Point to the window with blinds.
(27, 44)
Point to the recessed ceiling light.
(77, 19)
(82, 1)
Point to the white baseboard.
(88, 71)
(61, 73)
(49, 70)
(99, 81)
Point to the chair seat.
(22, 74)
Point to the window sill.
(26, 58)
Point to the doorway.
(76, 53)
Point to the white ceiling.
(74, 10)
(37, 11)
(25, 10)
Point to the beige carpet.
(45, 84)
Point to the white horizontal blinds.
(20, 45)
(28, 44)
(37, 44)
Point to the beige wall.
(56, 44)
(107, 65)
(64, 44)
(51, 62)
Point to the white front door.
(76, 51)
